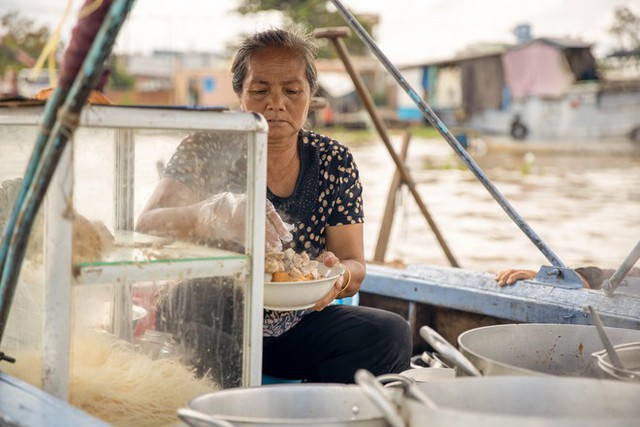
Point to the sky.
(409, 31)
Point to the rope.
(49, 49)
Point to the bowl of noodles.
(297, 282)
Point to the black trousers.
(332, 344)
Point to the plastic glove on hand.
(277, 231)
(222, 217)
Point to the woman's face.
(276, 87)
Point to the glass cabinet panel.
(157, 308)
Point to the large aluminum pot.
(539, 349)
(291, 405)
(526, 401)
(523, 401)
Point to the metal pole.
(437, 123)
(335, 36)
(609, 286)
(34, 187)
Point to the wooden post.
(389, 210)
(335, 35)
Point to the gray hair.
(295, 39)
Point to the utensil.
(539, 348)
(613, 356)
(630, 357)
(452, 354)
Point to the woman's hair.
(295, 39)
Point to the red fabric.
(82, 38)
(146, 299)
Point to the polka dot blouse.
(327, 193)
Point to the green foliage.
(119, 78)
(626, 28)
(19, 34)
(312, 14)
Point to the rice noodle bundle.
(115, 383)
(127, 388)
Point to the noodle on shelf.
(113, 382)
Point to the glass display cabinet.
(92, 287)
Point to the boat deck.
(526, 301)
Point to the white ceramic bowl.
(286, 296)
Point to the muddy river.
(583, 200)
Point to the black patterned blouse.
(328, 193)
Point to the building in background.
(541, 89)
(155, 77)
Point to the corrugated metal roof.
(456, 59)
(561, 43)
(568, 43)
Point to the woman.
(313, 183)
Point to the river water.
(583, 200)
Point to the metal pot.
(427, 367)
(427, 359)
(629, 355)
(429, 374)
(539, 349)
(508, 401)
(291, 405)
(526, 401)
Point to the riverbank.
(480, 143)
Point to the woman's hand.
(277, 231)
(330, 260)
(509, 277)
(222, 216)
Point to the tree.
(626, 28)
(20, 41)
(313, 14)
(119, 78)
